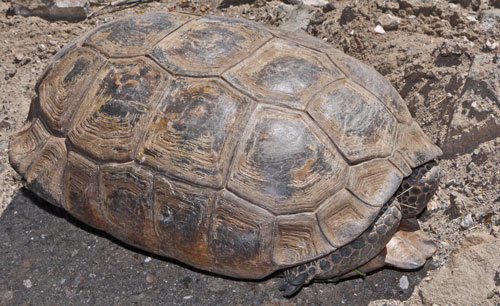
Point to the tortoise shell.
(230, 146)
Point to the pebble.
(18, 57)
(147, 259)
(471, 19)
(467, 222)
(379, 29)
(491, 46)
(150, 278)
(403, 282)
(27, 283)
(319, 3)
(389, 22)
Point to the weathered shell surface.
(219, 142)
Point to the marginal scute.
(114, 113)
(81, 191)
(25, 145)
(304, 39)
(134, 35)
(298, 238)
(415, 146)
(208, 46)
(242, 235)
(398, 160)
(62, 89)
(285, 163)
(283, 73)
(356, 121)
(194, 131)
(44, 176)
(343, 217)
(373, 81)
(375, 181)
(181, 219)
(127, 203)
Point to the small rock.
(318, 3)
(299, 19)
(467, 222)
(4, 125)
(389, 22)
(147, 259)
(490, 18)
(71, 10)
(27, 283)
(187, 297)
(492, 293)
(330, 6)
(403, 282)
(387, 5)
(150, 278)
(18, 57)
(491, 46)
(12, 73)
(379, 29)
(471, 19)
(349, 13)
(495, 230)
(228, 3)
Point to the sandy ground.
(440, 56)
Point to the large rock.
(490, 19)
(477, 112)
(71, 10)
(468, 278)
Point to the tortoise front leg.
(411, 198)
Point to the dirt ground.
(442, 56)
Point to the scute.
(134, 35)
(415, 146)
(194, 131)
(208, 46)
(182, 219)
(26, 145)
(298, 238)
(375, 181)
(285, 163)
(283, 73)
(373, 81)
(358, 123)
(241, 238)
(44, 175)
(114, 113)
(64, 85)
(81, 191)
(343, 217)
(127, 200)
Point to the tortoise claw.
(290, 285)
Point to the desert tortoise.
(233, 147)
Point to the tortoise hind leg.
(347, 258)
(410, 247)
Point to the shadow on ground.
(49, 258)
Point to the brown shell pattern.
(219, 142)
